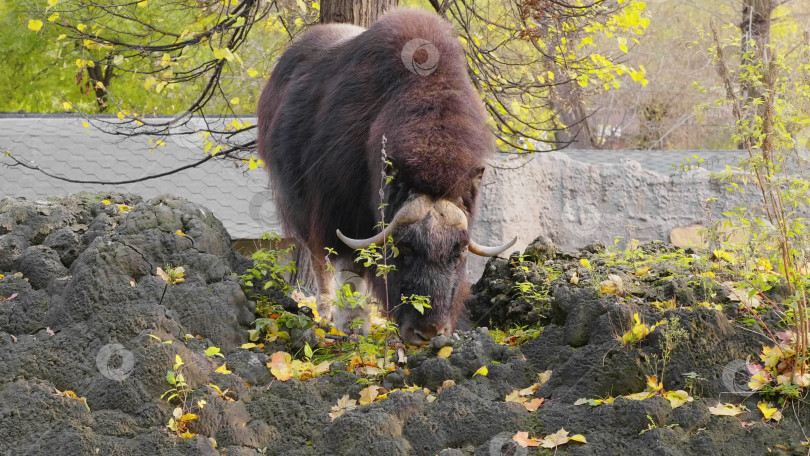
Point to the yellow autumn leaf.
(613, 285)
(726, 409)
(368, 394)
(189, 417)
(280, 366)
(642, 270)
(81, 27)
(515, 396)
(445, 352)
(249, 345)
(522, 439)
(653, 384)
(343, 404)
(578, 438)
(34, 25)
(554, 440)
(53, 17)
(768, 412)
(180, 233)
(544, 376)
(187, 435)
(252, 73)
(677, 398)
(528, 391)
(223, 370)
(759, 379)
(481, 371)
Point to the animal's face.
(433, 241)
(431, 263)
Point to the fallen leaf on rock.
(560, 438)
(70, 394)
(677, 398)
(213, 351)
(522, 439)
(223, 370)
(544, 376)
(726, 409)
(534, 404)
(343, 405)
(481, 371)
(613, 285)
(768, 412)
(515, 396)
(280, 366)
(445, 352)
(368, 394)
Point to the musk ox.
(332, 97)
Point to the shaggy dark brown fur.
(334, 94)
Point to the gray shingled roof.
(60, 144)
(64, 147)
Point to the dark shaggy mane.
(332, 97)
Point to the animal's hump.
(404, 31)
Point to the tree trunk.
(566, 100)
(357, 12)
(755, 46)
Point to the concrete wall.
(575, 202)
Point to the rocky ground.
(90, 325)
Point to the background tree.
(533, 60)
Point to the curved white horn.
(412, 211)
(364, 243)
(489, 251)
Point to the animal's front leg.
(325, 281)
(351, 310)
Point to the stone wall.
(575, 203)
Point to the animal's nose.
(431, 330)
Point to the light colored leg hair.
(325, 281)
(343, 317)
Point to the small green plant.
(180, 389)
(420, 303)
(270, 268)
(692, 380)
(769, 113)
(526, 290)
(179, 392)
(672, 336)
(350, 299)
